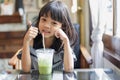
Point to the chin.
(49, 36)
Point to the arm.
(68, 57)
(26, 59)
(28, 40)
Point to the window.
(111, 38)
(109, 19)
(117, 18)
(113, 18)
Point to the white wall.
(12, 27)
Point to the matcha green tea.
(45, 77)
(45, 58)
(45, 65)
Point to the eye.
(54, 23)
(43, 19)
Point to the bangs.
(55, 12)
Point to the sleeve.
(32, 53)
(74, 56)
(58, 60)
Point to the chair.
(14, 61)
(83, 57)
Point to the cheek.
(58, 27)
(55, 29)
(52, 30)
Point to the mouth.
(45, 31)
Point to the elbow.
(25, 69)
(69, 69)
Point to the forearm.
(26, 59)
(68, 57)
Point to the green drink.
(45, 77)
(45, 58)
(45, 67)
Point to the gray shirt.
(57, 59)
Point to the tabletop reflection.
(56, 75)
(78, 74)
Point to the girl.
(59, 34)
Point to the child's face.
(48, 26)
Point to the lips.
(45, 31)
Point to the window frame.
(111, 48)
(111, 43)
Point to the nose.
(47, 25)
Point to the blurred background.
(14, 15)
(98, 20)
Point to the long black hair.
(59, 12)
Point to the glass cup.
(45, 77)
(45, 59)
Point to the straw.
(43, 40)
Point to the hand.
(31, 33)
(61, 34)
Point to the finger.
(32, 35)
(57, 34)
(35, 29)
(29, 23)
